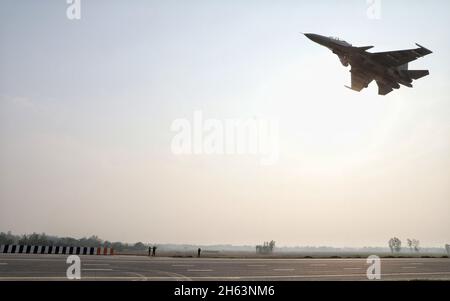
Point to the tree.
(391, 244)
(271, 245)
(92, 241)
(409, 242)
(415, 244)
(395, 244)
(139, 246)
(7, 238)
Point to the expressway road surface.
(133, 268)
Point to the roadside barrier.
(24, 249)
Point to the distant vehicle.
(388, 69)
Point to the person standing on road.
(154, 251)
(198, 252)
(149, 251)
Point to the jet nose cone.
(324, 41)
(312, 36)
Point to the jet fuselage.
(368, 66)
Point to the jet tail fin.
(364, 48)
(416, 74)
(426, 50)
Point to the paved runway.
(133, 268)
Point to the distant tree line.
(266, 248)
(395, 244)
(43, 239)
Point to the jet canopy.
(340, 41)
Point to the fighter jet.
(388, 69)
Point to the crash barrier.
(23, 249)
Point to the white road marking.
(226, 277)
(409, 267)
(352, 268)
(284, 270)
(182, 265)
(317, 265)
(3, 263)
(199, 270)
(141, 277)
(256, 265)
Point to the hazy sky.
(86, 108)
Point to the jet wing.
(359, 80)
(400, 57)
(383, 89)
